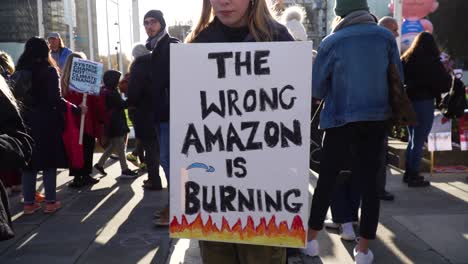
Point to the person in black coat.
(425, 79)
(15, 150)
(115, 127)
(159, 42)
(43, 116)
(141, 101)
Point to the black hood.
(111, 78)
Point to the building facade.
(85, 33)
(23, 19)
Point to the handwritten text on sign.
(240, 118)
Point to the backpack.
(21, 82)
(453, 104)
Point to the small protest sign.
(85, 76)
(463, 131)
(440, 137)
(240, 126)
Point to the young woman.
(43, 116)
(11, 178)
(15, 150)
(425, 79)
(92, 125)
(238, 21)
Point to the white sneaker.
(361, 258)
(312, 248)
(347, 232)
(330, 224)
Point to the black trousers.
(366, 140)
(382, 174)
(151, 147)
(89, 143)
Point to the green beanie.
(344, 7)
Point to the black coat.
(160, 77)
(15, 153)
(15, 144)
(426, 79)
(217, 32)
(117, 124)
(44, 119)
(140, 98)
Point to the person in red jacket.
(92, 125)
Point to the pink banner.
(463, 129)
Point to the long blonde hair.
(5, 91)
(259, 22)
(6, 62)
(65, 76)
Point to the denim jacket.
(350, 74)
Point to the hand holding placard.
(85, 78)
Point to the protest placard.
(240, 125)
(440, 137)
(85, 76)
(463, 131)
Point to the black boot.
(416, 180)
(77, 182)
(411, 174)
(88, 180)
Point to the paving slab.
(60, 239)
(21, 230)
(109, 222)
(447, 234)
(400, 239)
(129, 247)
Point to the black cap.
(158, 15)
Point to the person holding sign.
(350, 75)
(92, 127)
(238, 21)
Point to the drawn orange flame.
(263, 232)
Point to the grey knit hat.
(158, 15)
(139, 50)
(344, 7)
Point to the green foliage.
(399, 132)
(129, 123)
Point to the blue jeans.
(418, 134)
(29, 185)
(164, 148)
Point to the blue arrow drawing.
(198, 165)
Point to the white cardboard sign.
(240, 126)
(85, 76)
(440, 137)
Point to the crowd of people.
(350, 78)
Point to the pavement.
(111, 222)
